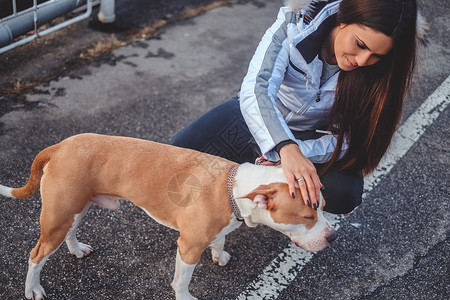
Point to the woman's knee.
(222, 131)
(343, 191)
(198, 134)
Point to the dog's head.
(273, 206)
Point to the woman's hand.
(298, 168)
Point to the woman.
(323, 95)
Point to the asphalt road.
(394, 246)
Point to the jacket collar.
(310, 46)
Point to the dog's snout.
(332, 236)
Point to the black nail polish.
(293, 195)
(315, 206)
(309, 203)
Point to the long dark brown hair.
(369, 100)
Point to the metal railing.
(21, 27)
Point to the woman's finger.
(303, 190)
(311, 189)
(291, 184)
(317, 186)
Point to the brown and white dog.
(204, 197)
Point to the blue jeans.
(223, 132)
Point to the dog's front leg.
(219, 256)
(183, 275)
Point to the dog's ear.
(262, 196)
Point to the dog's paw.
(184, 296)
(222, 259)
(80, 250)
(35, 293)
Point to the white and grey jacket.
(281, 92)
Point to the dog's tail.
(35, 176)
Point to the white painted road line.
(286, 266)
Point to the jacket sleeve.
(261, 84)
(320, 150)
(259, 90)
